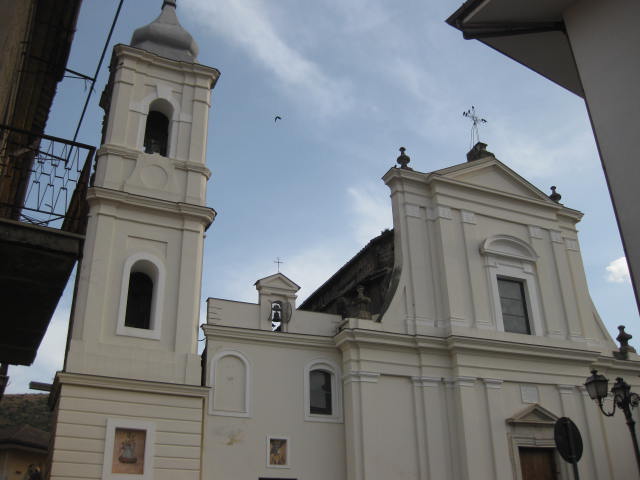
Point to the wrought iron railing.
(44, 179)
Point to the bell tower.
(132, 371)
(137, 303)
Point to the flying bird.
(278, 117)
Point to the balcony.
(43, 218)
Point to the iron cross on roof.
(278, 261)
(475, 121)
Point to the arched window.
(156, 133)
(323, 393)
(141, 297)
(139, 301)
(320, 392)
(512, 278)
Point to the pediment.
(277, 281)
(533, 415)
(493, 174)
(508, 246)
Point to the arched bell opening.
(156, 133)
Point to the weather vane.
(278, 261)
(475, 120)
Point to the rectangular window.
(513, 305)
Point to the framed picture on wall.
(128, 450)
(278, 452)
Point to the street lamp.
(623, 398)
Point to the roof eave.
(540, 44)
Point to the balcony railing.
(44, 179)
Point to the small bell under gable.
(277, 301)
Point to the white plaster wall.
(150, 206)
(247, 315)
(604, 39)
(440, 223)
(235, 446)
(117, 231)
(442, 410)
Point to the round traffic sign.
(568, 440)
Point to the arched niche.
(230, 384)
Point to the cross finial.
(475, 121)
(278, 261)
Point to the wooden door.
(537, 463)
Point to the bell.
(277, 316)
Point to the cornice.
(110, 148)
(361, 377)
(395, 175)
(630, 367)
(267, 337)
(457, 184)
(133, 154)
(114, 383)
(460, 344)
(404, 173)
(199, 213)
(381, 339)
(457, 344)
(139, 54)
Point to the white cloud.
(246, 24)
(618, 271)
(371, 211)
(544, 153)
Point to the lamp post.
(623, 398)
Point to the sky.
(353, 80)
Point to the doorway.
(537, 463)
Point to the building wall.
(272, 366)
(447, 282)
(437, 389)
(85, 406)
(449, 404)
(14, 23)
(604, 39)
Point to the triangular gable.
(277, 281)
(533, 415)
(492, 173)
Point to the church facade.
(446, 349)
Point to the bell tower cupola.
(137, 304)
(166, 37)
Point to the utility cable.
(95, 75)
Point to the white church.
(446, 349)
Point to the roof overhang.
(530, 32)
